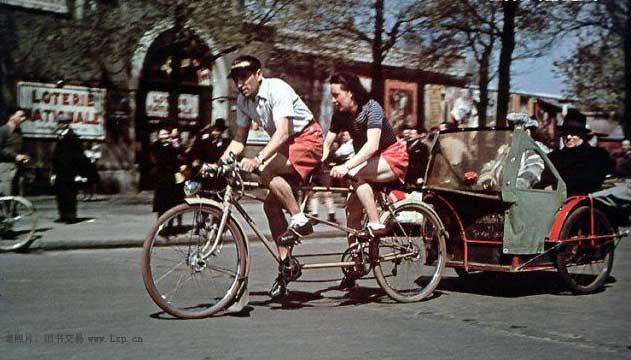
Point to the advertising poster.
(85, 105)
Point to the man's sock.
(376, 226)
(299, 219)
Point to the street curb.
(136, 243)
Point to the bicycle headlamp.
(191, 188)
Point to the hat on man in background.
(522, 119)
(219, 124)
(63, 118)
(574, 122)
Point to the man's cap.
(244, 64)
(219, 124)
(63, 118)
(522, 119)
(574, 122)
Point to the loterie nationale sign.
(57, 6)
(85, 105)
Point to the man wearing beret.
(67, 159)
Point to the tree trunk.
(627, 74)
(483, 84)
(377, 88)
(508, 44)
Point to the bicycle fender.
(203, 201)
(570, 204)
(219, 206)
(405, 202)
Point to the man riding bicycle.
(294, 150)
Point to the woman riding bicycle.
(379, 156)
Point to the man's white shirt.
(276, 99)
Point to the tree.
(461, 27)
(95, 44)
(507, 36)
(515, 30)
(378, 25)
(599, 70)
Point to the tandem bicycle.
(200, 268)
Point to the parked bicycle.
(18, 219)
(200, 268)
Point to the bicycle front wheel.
(17, 223)
(189, 270)
(410, 261)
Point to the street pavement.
(124, 221)
(92, 304)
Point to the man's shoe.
(290, 269)
(294, 233)
(332, 218)
(347, 284)
(279, 287)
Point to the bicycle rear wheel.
(17, 223)
(411, 260)
(188, 270)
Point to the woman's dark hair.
(350, 82)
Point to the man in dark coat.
(208, 145)
(419, 156)
(67, 159)
(582, 167)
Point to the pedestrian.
(581, 166)
(164, 157)
(623, 161)
(418, 153)
(11, 154)
(67, 158)
(208, 145)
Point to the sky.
(537, 76)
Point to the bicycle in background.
(18, 219)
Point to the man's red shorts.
(396, 155)
(304, 150)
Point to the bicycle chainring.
(358, 254)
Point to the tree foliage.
(357, 27)
(97, 42)
(598, 71)
(479, 30)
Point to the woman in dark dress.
(165, 161)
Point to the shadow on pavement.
(509, 285)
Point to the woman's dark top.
(371, 116)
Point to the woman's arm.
(328, 141)
(367, 151)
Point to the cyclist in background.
(11, 150)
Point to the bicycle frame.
(230, 203)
